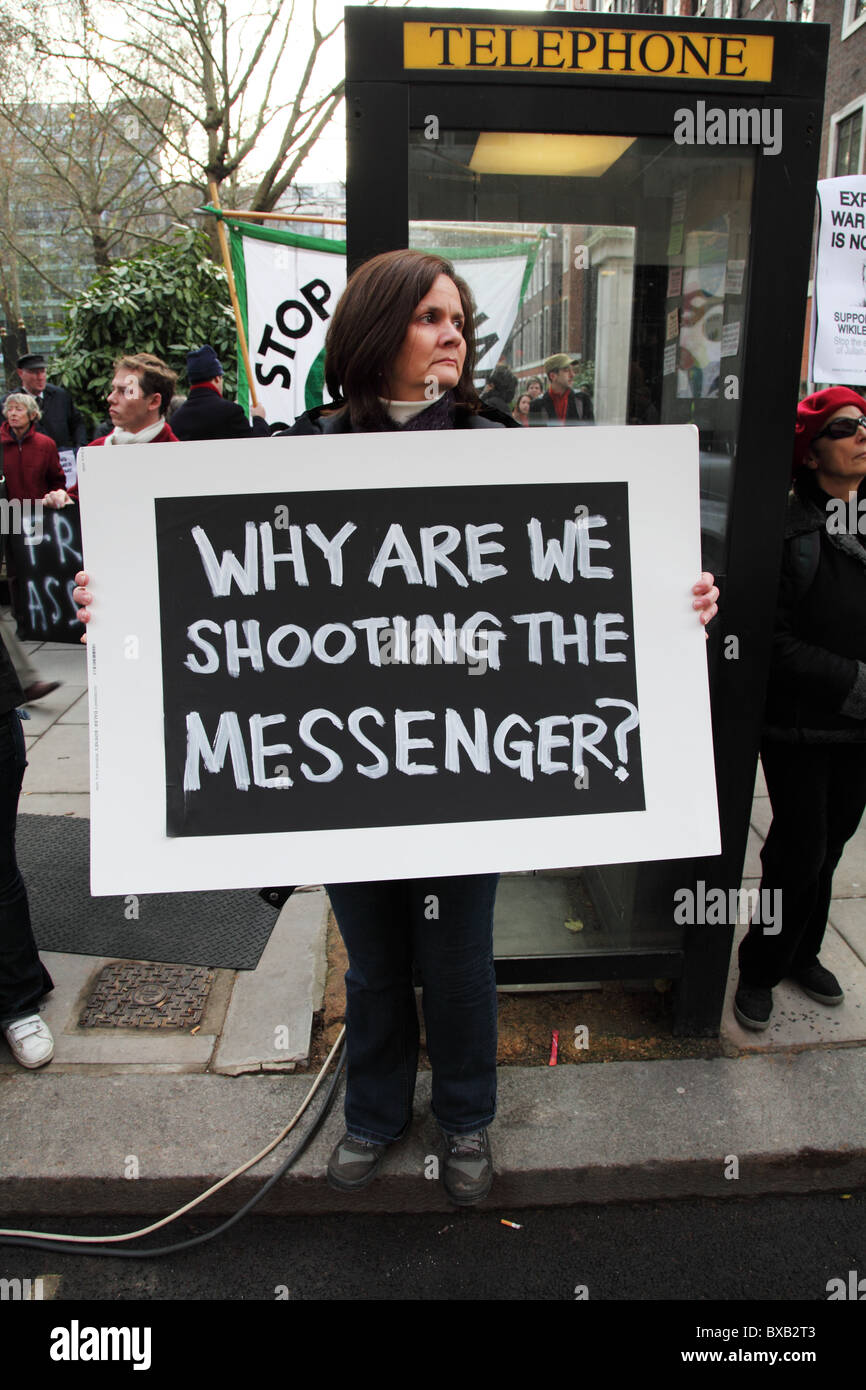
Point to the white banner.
(838, 344)
(495, 286)
(290, 291)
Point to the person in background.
(61, 420)
(520, 413)
(813, 747)
(23, 978)
(560, 405)
(174, 406)
(498, 394)
(140, 396)
(206, 414)
(141, 392)
(535, 387)
(31, 463)
(404, 319)
(31, 466)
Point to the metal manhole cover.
(139, 994)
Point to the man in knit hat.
(206, 414)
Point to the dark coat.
(205, 414)
(61, 421)
(31, 464)
(817, 687)
(317, 422)
(542, 410)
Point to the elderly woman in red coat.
(32, 471)
(31, 462)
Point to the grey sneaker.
(354, 1163)
(467, 1172)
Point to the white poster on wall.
(349, 666)
(838, 341)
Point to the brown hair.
(156, 378)
(370, 324)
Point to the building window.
(853, 16)
(849, 132)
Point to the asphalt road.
(764, 1263)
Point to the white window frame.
(849, 25)
(859, 103)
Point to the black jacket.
(61, 421)
(205, 414)
(542, 411)
(817, 687)
(318, 422)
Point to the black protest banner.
(46, 556)
(388, 656)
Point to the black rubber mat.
(226, 930)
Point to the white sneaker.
(30, 1041)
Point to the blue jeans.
(445, 925)
(23, 977)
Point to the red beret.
(814, 412)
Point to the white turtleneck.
(401, 411)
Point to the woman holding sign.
(399, 357)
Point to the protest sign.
(333, 666)
(46, 556)
(838, 341)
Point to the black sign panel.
(45, 564)
(397, 657)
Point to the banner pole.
(242, 337)
(281, 216)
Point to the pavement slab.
(58, 762)
(849, 920)
(55, 804)
(270, 1016)
(45, 712)
(77, 713)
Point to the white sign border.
(130, 852)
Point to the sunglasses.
(843, 428)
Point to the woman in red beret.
(813, 748)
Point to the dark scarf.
(438, 416)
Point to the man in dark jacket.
(60, 420)
(560, 405)
(205, 414)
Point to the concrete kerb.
(598, 1132)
